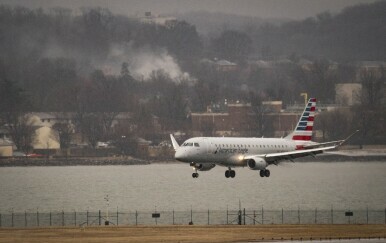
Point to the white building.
(348, 94)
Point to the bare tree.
(322, 81)
(369, 116)
(13, 106)
(372, 81)
(21, 130)
(93, 128)
(64, 131)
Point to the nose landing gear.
(195, 175)
(230, 173)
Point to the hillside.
(357, 33)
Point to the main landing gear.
(265, 173)
(195, 175)
(230, 173)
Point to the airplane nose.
(179, 155)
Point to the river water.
(345, 185)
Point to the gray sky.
(295, 9)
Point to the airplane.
(204, 153)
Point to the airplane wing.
(274, 158)
(334, 143)
(311, 150)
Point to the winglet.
(174, 142)
(345, 140)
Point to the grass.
(219, 233)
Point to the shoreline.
(337, 156)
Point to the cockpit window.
(191, 144)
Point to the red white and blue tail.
(303, 130)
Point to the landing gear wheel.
(262, 173)
(232, 173)
(267, 173)
(195, 175)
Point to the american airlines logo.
(231, 151)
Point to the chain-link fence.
(208, 217)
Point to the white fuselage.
(229, 152)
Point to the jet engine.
(257, 163)
(202, 167)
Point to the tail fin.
(303, 130)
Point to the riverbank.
(180, 233)
(359, 155)
(72, 161)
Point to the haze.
(294, 9)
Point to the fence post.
(99, 216)
(208, 216)
(298, 215)
(117, 216)
(37, 217)
(262, 214)
(25, 218)
(191, 214)
(316, 215)
(50, 218)
(75, 216)
(367, 214)
(282, 216)
(0, 218)
(87, 218)
(12, 218)
(244, 216)
(173, 216)
(62, 217)
(136, 217)
(254, 217)
(228, 215)
(332, 215)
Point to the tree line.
(49, 63)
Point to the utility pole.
(305, 95)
